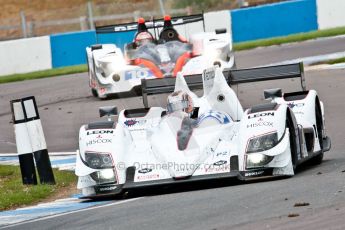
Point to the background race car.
(160, 48)
(202, 138)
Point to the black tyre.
(94, 92)
(319, 125)
(293, 130)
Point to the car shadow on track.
(178, 188)
(204, 185)
(135, 92)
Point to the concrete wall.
(25, 55)
(273, 20)
(331, 13)
(69, 48)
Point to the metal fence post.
(23, 22)
(90, 15)
(83, 23)
(242, 3)
(161, 5)
(136, 15)
(30, 30)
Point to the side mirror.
(272, 93)
(220, 31)
(107, 111)
(96, 47)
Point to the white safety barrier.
(330, 13)
(25, 55)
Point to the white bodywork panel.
(152, 142)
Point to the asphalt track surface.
(65, 103)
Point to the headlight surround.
(98, 160)
(104, 176)
(257, 160)
(262, 143)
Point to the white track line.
(311, 59)
(67, 213)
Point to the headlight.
(116, 77)
(104, 176)
(262, 143)
(98, 160)
(255, 160)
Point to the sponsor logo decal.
(100, 132)
(256, 173)
(213, 169)
(130, 122)
(148, 177)
(107, 188)
(209, 74)
(148, 24)
(250, 116)
(221, 153)
(219, 163)
(124, 28)
(98, 141)
(138, 74)
(260, 123)
(295, 105)
(299, 112)
(145, 170)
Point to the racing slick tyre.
(293, 130)
(319, 125)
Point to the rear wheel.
(319, 126)
(293, 139)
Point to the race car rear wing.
(267, 73)
(155, 23)
(167, 85)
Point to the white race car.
(158, 50)
(202, 138)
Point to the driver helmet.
(143, 36)
(180, 101)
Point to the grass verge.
(43, 73)
(336, 61)
(331, 61)
(291, 38)
(14, 194)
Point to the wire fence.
(88, 15)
